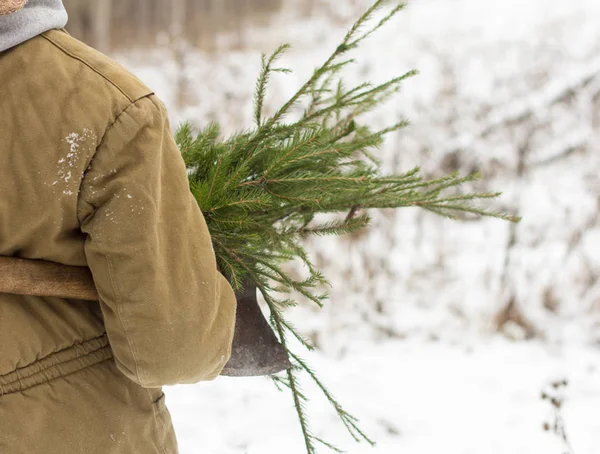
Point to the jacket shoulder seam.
(103, 139)
(93, 68)
(118, 117)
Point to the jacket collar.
(37, 17)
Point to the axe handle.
(41, 278)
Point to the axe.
(255, 350)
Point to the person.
(90, 175)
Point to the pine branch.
(261, 189)
(344, 47)
(348, 420)
(297, 393)
(305, 342)
(263, 80)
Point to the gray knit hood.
(37, 17)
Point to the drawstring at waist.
(56, 365)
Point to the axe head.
(256, 350)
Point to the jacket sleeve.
(169, 314)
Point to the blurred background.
(116, 25)
(439, 335)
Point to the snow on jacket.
(90, 175)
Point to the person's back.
(90, 176)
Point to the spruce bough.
(263, 190)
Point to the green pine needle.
(261, 190)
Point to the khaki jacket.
(90, 176)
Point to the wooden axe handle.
(41, 278)
(255, 349)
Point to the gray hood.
(37, 17)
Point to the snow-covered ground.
(411, 397)
(407, 341)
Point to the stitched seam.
(114, 284)
(117, 118)
(160, 446)
(101, 143)
(117, 298)
(44, 368)
(78, 58)
(131, 100)
(91, 158)
(99, 356)
(138, 369)
(62, 350)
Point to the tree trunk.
(102, 24)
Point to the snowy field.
(411, 397)
(408, 342)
